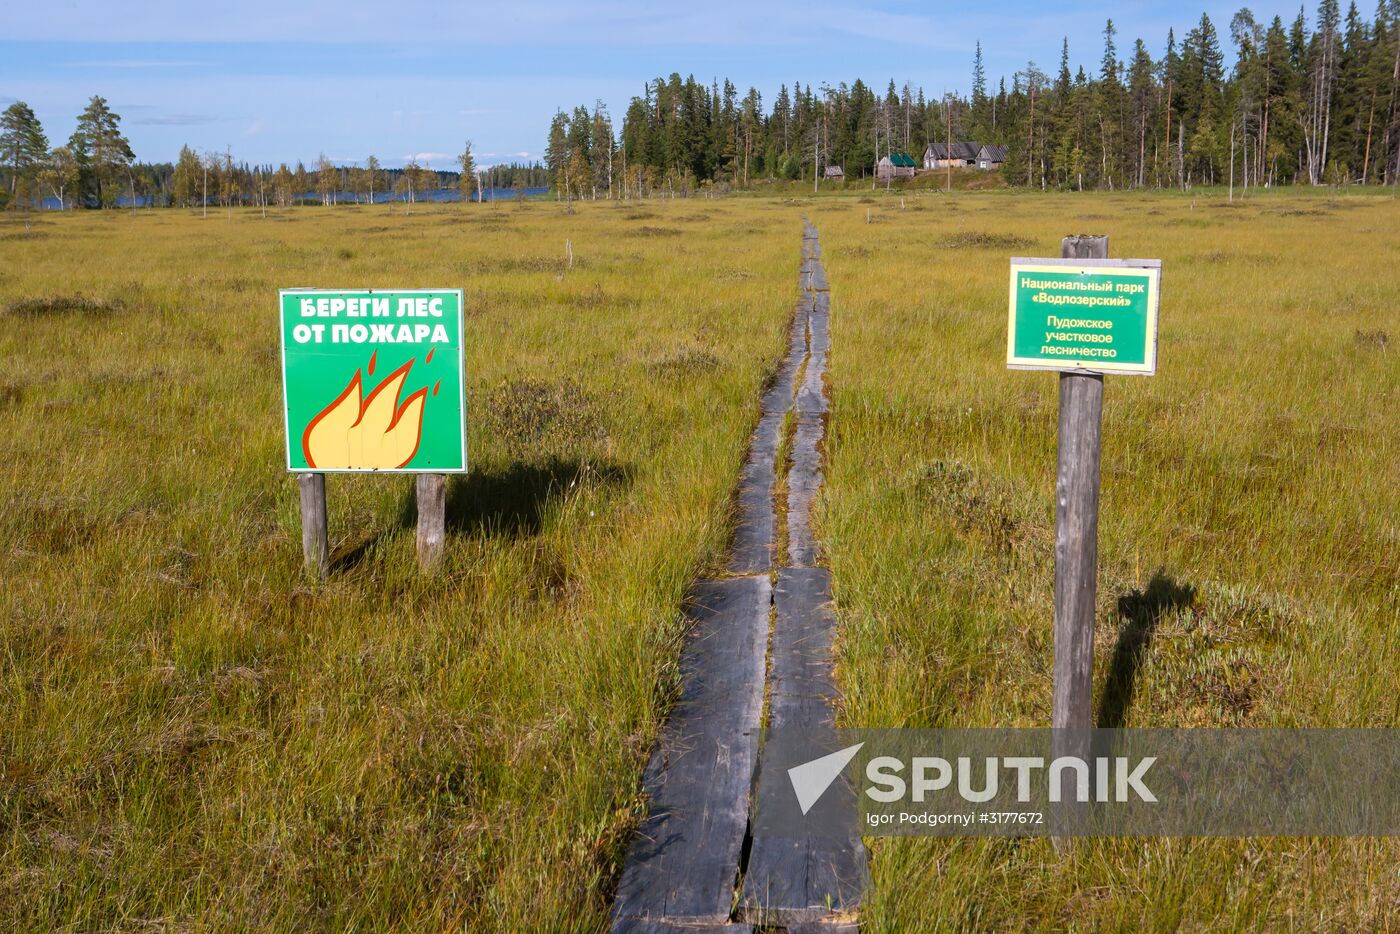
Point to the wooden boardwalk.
(693, 865)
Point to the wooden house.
(834, 173)
(895, 165)
(941, 155)
(991, 157)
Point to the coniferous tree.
(103, 153)
(23, 145)
(1299, 105)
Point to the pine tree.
(23, 145)
(101, 149)
(601, 149)
(556, 152)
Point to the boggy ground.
(1249, 556)
(196, 735)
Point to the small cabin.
(895, 165)
(834, 173)
(991, 157)
(942, 155)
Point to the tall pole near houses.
(948, 108)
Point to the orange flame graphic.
(374, 434)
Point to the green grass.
(194, 733)
(1249, 543)
(197, 736)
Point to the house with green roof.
(895, 165)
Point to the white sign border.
(1042, 264)
(461, 379)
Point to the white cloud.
(427, 157)
(254, 128)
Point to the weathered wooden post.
(432, 519)
(1083, 315)
(315, 543)
(1077, 528)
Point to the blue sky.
(279, 81)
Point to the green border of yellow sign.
(1076, 310)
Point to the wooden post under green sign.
(432, 518)
(315, 543)
(1077, 533)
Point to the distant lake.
(433, 195)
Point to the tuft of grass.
(63, 305)
(648, 230)
(973, 240)
(685, 362)
(1372, 337)
(527, 413)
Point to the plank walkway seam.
(686, 861)
(813, 883)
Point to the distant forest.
(97, 168)
(1302, 105)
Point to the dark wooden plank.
(811, 395)
(792, 880)
(683, 862)
(820, 323)
(756, 525)
(778, 396)
(801, 688)
(664, 927)
(752, 549)
(804, 483)
(805, 477)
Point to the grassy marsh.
(1249, 549)
(196, 736)
(193, 733)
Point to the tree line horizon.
(1309, 105)
(97, 168)
(1301, 105)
